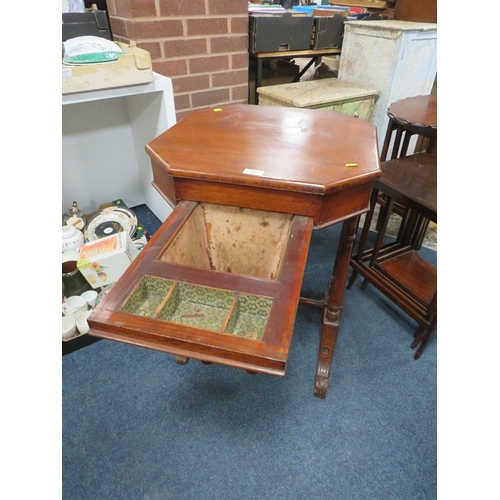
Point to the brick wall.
(201, 44)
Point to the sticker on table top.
(67, 72)
(251, 171)
(217, 109)
(351, 164)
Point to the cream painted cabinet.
(398, 58)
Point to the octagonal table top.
(303, 150)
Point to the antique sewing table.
(220, 280)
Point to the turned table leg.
(334, 304)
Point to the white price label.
(251, 171)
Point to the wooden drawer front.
(216, 283)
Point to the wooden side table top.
(412, 181)
(291, 149)
(310, 162)
(418, 110)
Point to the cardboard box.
(279, 33)
(103, 261)
(327, 32)
(131, 68)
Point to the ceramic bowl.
(81, 321)
(68, 327)
(72, 238)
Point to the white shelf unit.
(104, 133)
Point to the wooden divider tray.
(199, 306)
(216, 283)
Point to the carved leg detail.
(333, 310)
(331, 322)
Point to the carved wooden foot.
(331, 322)
(181, 360)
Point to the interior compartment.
(200, 307)
(249, 316)
(147, 296)
(231, 239)
(197, 306)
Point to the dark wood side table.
(248, 184)
(396, 268)
(407, 117)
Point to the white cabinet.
(104, 133)
(398, 58)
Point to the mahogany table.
(248, 184)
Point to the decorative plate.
(110, 221)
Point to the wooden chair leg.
(364, 235)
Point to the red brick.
(224, 7)
(118, 26)
(182, 102)
(206, 26)
(171, 68)
(176, 48)
(182, 114)
(190, 83)
(240, 93)
(124, 8)
(110, 4)
(158, 29)
(153, 48)
(210, 97)
(230, 78)
(143, 8)
(239, 25)
(208, 64)
(229, 44)
(182, 8)
(123, 27)
(239, 61)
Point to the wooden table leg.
(334, 305)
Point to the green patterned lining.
(197, 306)
(147, 296)
(249, 317)
(200, 307)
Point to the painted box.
(329, 94)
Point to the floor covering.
(136, 425)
